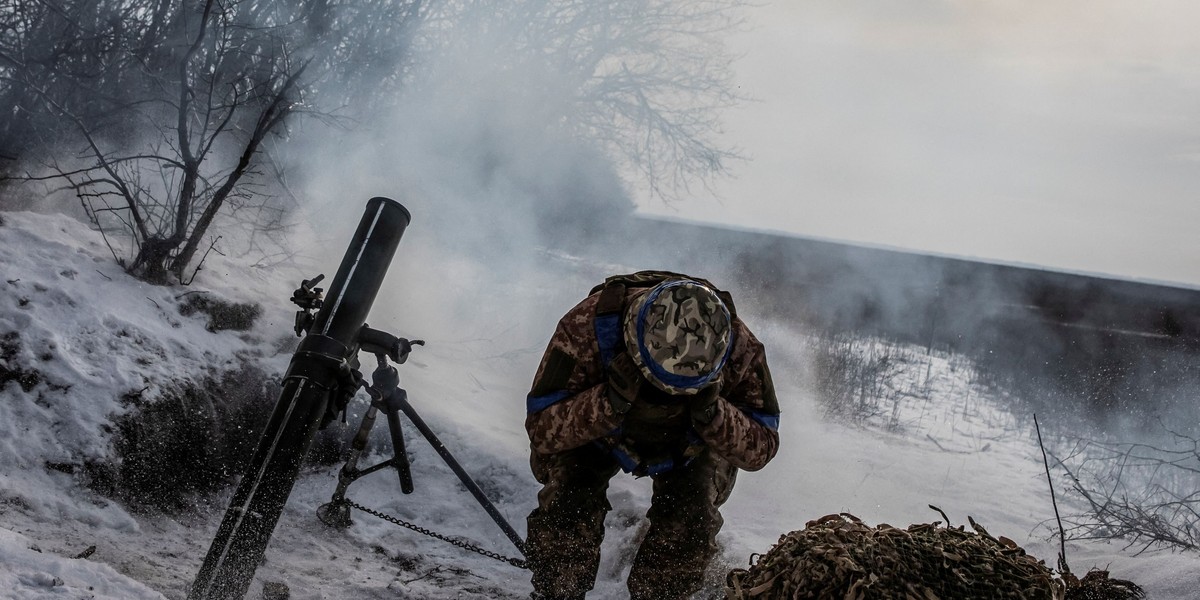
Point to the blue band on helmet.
(672, 379)
(535, 404)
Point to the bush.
(222, 315)
(172, 454)
(186, 444)
(864, 380)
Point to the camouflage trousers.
(566, 529)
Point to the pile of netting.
(837, 557)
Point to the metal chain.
(516, 562)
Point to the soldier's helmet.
(679, 334)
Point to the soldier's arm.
(568, 403)
(745, 430)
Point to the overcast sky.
(1064, 134)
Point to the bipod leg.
(386, 395)
(411, 413)
(336, 513)
(393, 403)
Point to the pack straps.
(608, 321)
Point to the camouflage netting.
(837, 557)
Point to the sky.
(1059, 134)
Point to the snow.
(95, 334)
(31, 574)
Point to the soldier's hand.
(625, 382)
(703, 404)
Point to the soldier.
(654, 374)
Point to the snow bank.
(85, 333)
(29, 573)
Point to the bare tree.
(1145, 494)
(650, 79)
(157, 113)
(171, 103)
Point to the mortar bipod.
(387, 395)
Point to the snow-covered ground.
(94, 334)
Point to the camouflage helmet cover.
(679, 335)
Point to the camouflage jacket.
(568, 403)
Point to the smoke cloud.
(924, 125)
